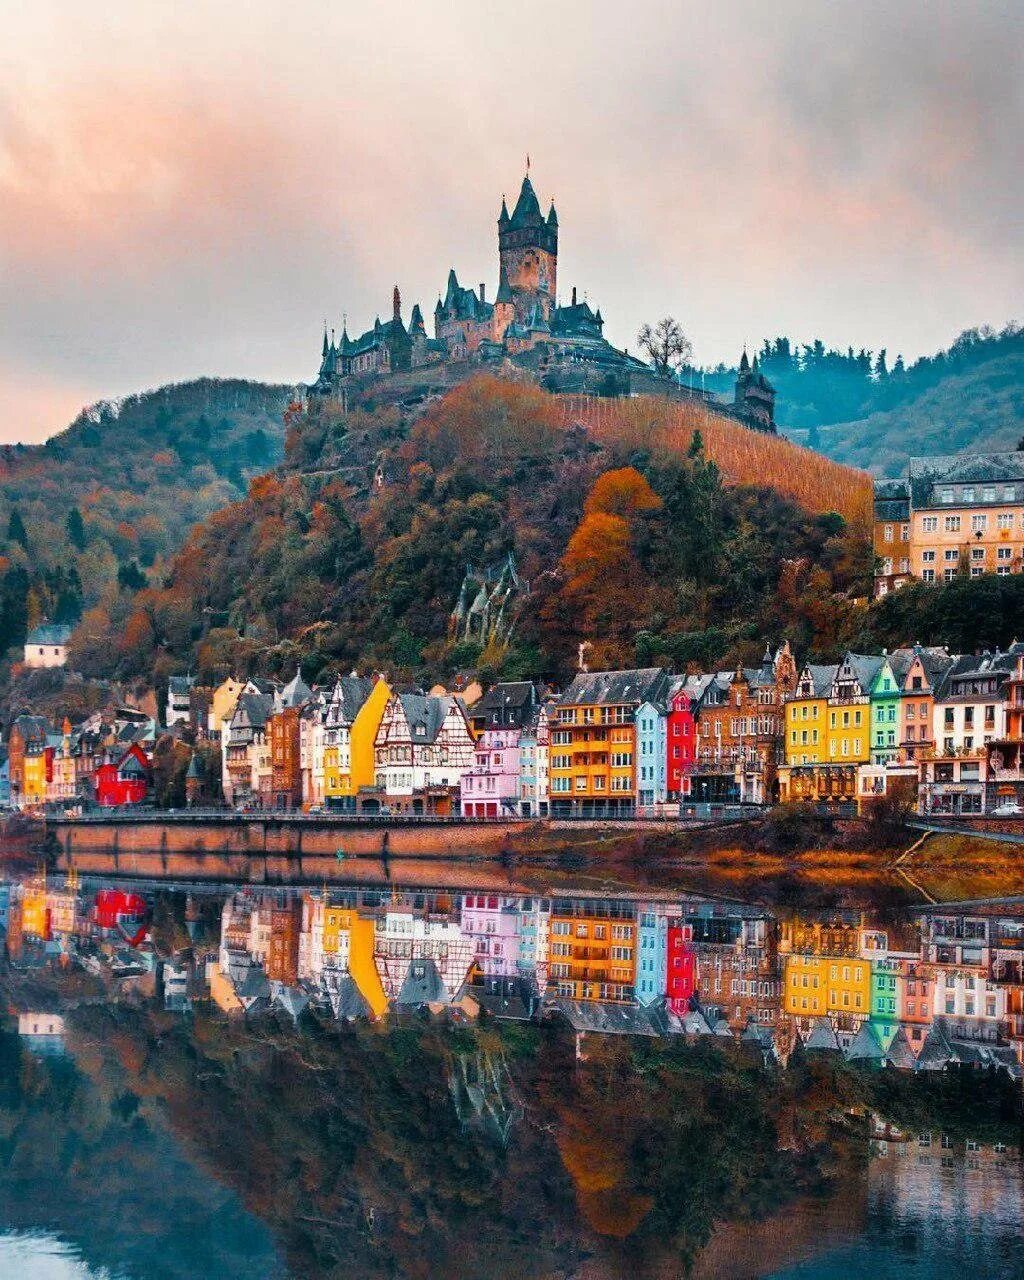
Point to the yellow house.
(353, 717)
(849, 709)
(807, 716)
(33, 791)
(33, 910)
(816, 985)
(222, 705)
(346, 931)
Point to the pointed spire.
(552, 216)
(325, 338)
(396, 306)
(744, 362)
(504, 293)
(503, 216)
(527, 208)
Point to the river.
(512, 1075)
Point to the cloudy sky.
(191, 189)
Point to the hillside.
(982, 408)
(117, 491)
(864, 409)
(625, 531)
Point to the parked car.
(1008, 809)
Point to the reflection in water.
(379, 1080)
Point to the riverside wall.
(262, 849)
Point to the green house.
(885, 712)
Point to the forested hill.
(116, 493)
(866, 408)
(651, 531)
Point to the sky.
(192, 189)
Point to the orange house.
(592, 950)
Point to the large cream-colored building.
(952, 516)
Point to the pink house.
(490, 789)
(492, 922)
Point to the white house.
(47, 646)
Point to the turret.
(528, 253)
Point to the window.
(887, 533)
(948, 575)
(951, 524)
(930, 524)
(1004, 553)
(952, 553)
(928, 557)
(946, 495)
(978, 553)
(927, 575)
(979, 523)
(1005, 520)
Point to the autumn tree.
(666, 346)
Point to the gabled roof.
(296, 691)
(617, 688)
(822, 1038)
(425, 715)
(423, 984)
(822, 677)
(899, 1053)
(180, 685)
(865, 666)
(865, 1047)
(346, 1000)
(609, 1018)
(347, 697)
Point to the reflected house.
(418, 948)
(680, 964)
(652, 952)
(534, 941)
(283, 952)
(738, 967)
(825, 975)
(492, 923)
(592, 950)
(43, 1033)
(1005, 764)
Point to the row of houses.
(106, 760)
(945, 728)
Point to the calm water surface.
(348, 1082)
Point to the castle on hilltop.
(524, 328)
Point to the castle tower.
(528, 254)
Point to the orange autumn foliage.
(623, 492)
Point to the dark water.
(425, 1083)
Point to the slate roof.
(347, 1002)
(822, 678)
(49, 633)
(899, 1053)
(527, 211)
(258, 708)
(423, 984)
(296, 691)
(927, 474)
(425, 714)
(822, 1038)
(865, 1047)
(865, 667)
(289, 1000)
(612, 1019)
(347, 697)
(181, 685)
(617, 688)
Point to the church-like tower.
(528, 256)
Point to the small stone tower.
(754, 397)
(528, 254)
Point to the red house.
(681, 744)
(681, 971)
(123, 779)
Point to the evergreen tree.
(881, 370)
(16, 531)
(76, 529)
(130, 577)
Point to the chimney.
(482, 298)
(574, 295)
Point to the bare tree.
(666, 346)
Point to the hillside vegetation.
(629, 533)
(864, 408)
(116, 493)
